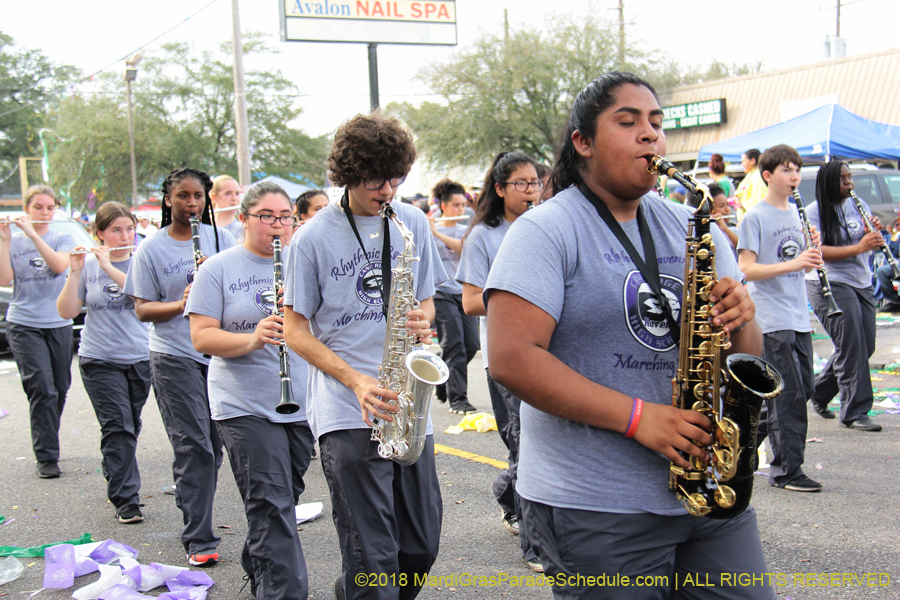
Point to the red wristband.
(637, 409)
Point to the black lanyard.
(649, 269)
(385, 251)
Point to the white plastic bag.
(10, 569)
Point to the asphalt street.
(851, 527)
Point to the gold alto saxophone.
(719, 488)
(406, 368)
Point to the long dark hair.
(828, 197)
(489, 207)
(590, 103)
(175, 177)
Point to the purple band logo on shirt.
(368, 285)
(789, 247)
(112, 292)
(37, 263)
(646, 319)
(190, 275)
(265, 299)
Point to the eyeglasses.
(523, 186)
(270, 219)
(376, 183)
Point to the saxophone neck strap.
(649, 269)
(385, 250)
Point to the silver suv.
(879, 188)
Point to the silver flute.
(77, 251)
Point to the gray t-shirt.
(35, 286)
(479, 251)
(450, 258)
(112, 331)
(160, 270)
(237, 288)
(776, 236)
(854, 270)
(329, 280)
(563, 259)
(236, 228)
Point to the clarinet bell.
(833, 309)
(287, 406)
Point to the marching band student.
(388, 516)
(227, 193)
(33, 261)
(309, 203)
(113, 353)
(511, 183)
(773, 257)
(458, 332)
(593, 480)
(233, 318)
(845, 247)
(159, 280)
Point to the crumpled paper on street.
(308, 512)
(481, 422)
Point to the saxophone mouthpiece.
(660, 165)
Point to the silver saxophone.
(406, 369)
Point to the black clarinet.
(198, 253)
(823, 277)
(195, 240)
(867, 219)
(287, 405)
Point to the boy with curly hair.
(388, 516)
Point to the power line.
(115, 62)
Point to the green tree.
(515, 91)
(184, 116)
(30, 85)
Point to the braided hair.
(828, 197)
(175, 177)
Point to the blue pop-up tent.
(828, 132)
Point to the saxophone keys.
(696, 505)
(725, 496)
(703, 254)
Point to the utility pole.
(374, 100)
(621, 35)
(837, 27)
(241, 127)
(130, 76)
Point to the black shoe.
(822, 411)
(464, 408)
(864, 424)
(130, 514)
(441, 392)
(339, 588)
(534, 564)
(48, 469)
(802, 484)
(891, 307)
(511, 522)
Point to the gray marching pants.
(506, 412)
(180, 388)
(118, 393)
(784, 417)
(458, 334)
(677, 557)
(853, 334)
(387, 516)
(44, 360)
(268, 461)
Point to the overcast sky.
(91, 34)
